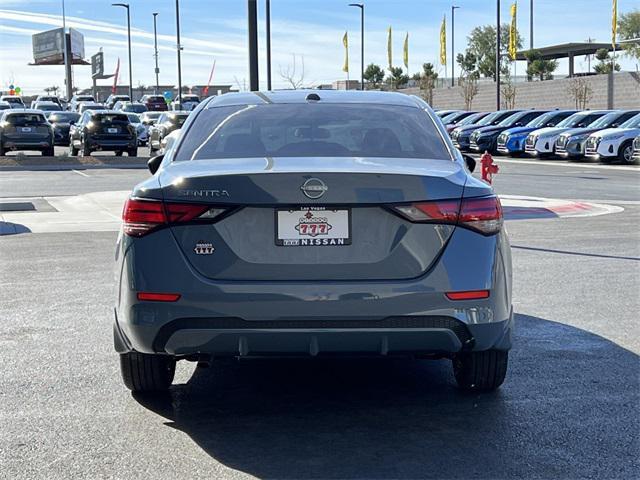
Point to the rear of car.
(84, 106)
(186, 102)
(309, 224)
(154, 103)
(167, 123)
(61, 123)
(109, 131)
(48, 107)
(113, 99)
(13, 100)
(25, 130)
(77, 100)
(141, 130)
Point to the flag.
(405, 53)
(345, 42)
(614, 24)
(115, 77)
(443, 41)
(389, 54)
(206, 89)
(513, 33)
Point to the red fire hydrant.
(489, 169)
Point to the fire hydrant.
(489, 169)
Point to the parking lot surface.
(568, 408)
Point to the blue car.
(512, 141)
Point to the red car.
(155, 103)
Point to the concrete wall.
(547, 94)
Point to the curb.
(70, 163)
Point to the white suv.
(614, 143)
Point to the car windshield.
(511, 119)
(303, 130)
(63, 117)
(155, 98)
(542, 120)
(85, 99)
(579, 118)
(489, 119)
(633, 122)
(133, 118)
(26, 119)
(471, 119)
(605, 120)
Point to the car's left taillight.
(141, 216)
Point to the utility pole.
(67, 61)
(268, 20)
(498, 55)
(530, 24)
(179, 47)
(453, 49)
(253, 44)
(361, 7)
(126, 5)
(155, 48)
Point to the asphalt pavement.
(568, 409)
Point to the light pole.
(179, 47)
(530, 24)
(453, 49)
(67, 66)
(361, 7)
(155, 49)
(252, 17)
(268, 20)
(126, 5)
(498, 55)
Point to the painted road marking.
(80, 173)
(629, 168)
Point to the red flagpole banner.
(206, 89)
(115, 77)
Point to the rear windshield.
(84, 98)
(50, 108)
(110, 118)
(13, 99)
(313, 130)
(137, 108)
(154, 98)
(26, 119)
(64, 117)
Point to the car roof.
(300, 96)
(110, 112)
(16, 111)
(46, 102)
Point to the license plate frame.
(26, 129)
(325, 220)
(112, 130)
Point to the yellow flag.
(405, 53)
(513, 33)
(614, 23)
(389, 54)
(345, 42)
(443, 41)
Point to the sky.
(310, 29)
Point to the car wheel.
(1, 150)
(480, 371)
(48, 152)
(85, 151)
(133, 152)
(118, 153)
(143, 372)
(625, 154)
(73, 151)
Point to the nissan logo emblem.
(314, 188)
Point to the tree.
(606, 63)
(373, 75)
(427, 81)
(579, 89)
(397, 78)
(629, 28)
(482, 45)
(539, 67)
(508, 90)
(468, 89)
(292, 75)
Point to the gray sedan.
(312, 223)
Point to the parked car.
(25, 130)
(13, 100)
(113, 99)
(461, 135)
(46, 98)
(167, 123)
(155, 103)
(379, 245)
(456, 117)
(444, 113)
(61, 123)
(5, 105)
(84, 106)
(485, 139)
(130, 107)
(541, 143)
(47, 106)
(613, 144)
(636, 149)
(187, 103)
(570, 144)
(104, 130)
(76, 100)
(470, 120)
(150, 118)
(512, 141)
(141, 131)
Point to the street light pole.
(361, 7)
(530, 24)
(498, 55)
(268, 20)
(126, 5)
(155, 48)
(179, 47)
(67, 67)
(453, 49)
(253, 44)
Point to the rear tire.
(73, 151)
(480, 371)
(1, 150)
(133, 152)
(118, 153)
(142, 372)
(84, 150)
(48, 152)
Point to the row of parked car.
(604, 135)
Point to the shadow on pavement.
(569, 408)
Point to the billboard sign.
(77, 44)
(97, 65)
(48, 45)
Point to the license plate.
(313, 226)
(112, 130)
(25, 129)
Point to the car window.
(110, 118)
(633, 122)
(605, 120)
(25, 119)
(63, 117)
(133, 118)
(302, 130)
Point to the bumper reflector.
(158, 297)
(468, 295)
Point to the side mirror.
(519, 124)
(615, 125)
(470, 161)
(550, 124)
(154, 163)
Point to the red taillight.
(468, 295)
(482, 214)
(158, 297)
(139, 217)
